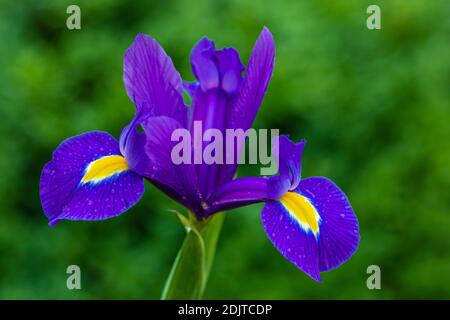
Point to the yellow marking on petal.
(103, 168)
(301, 209)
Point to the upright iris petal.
(226, 100)
(155, 87)
(150, 77)
(257, 77)
(219, 80)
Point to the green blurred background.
(373, 105)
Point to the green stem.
(190, 271)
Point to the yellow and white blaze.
(302, 210)
(104, 168)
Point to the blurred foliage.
(373, 105)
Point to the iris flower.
(93, 176)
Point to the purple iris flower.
(93, 176)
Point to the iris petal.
(289, 236)
(314, 226)
(244, 191)
(219, 75)
(256, 80)
(87, 179)
(149, 153)
(150, 76)
(246, 103)
(230, 70)
(239, 192)
(289, 163)
(339, 231)
(203, 64)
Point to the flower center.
(103, 168)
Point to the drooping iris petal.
(149, 153)
(295, 243)
(150, 76)
(339, 231)
(314, 226)
(88, 179)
